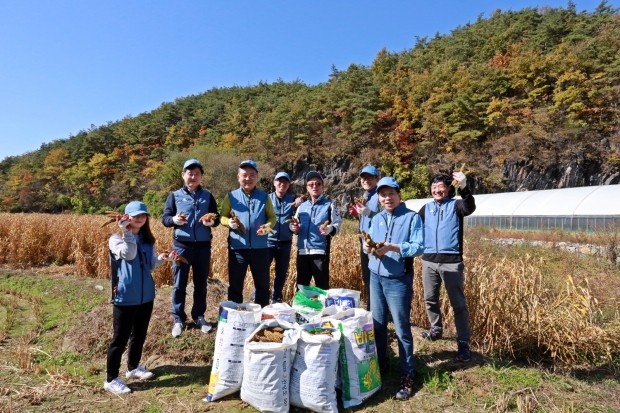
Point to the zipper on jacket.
(141, 270)
(312, 211)
(279, 215)
(437, 229)
(195, 216)
(249, 229)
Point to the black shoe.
(406, 387)
(464, 353)
(433, 334)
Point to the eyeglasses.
(313, 184)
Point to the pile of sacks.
(281, 356)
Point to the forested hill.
(525, 99)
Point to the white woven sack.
(343, 298)
(313, 375)
(359, 365)
(267, 369)
(278, 310)
(235, 323)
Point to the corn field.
(513, 312)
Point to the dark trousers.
(314, 265)
(365, 277)
(258, 262)
(281, 253)
(130, 323)
(199, 260)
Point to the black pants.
(281, 254)
(131, 323)
(365, 277)
(258, 262)
(315, 265)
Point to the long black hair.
(147, 234)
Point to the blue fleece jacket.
(136, 263)
(403, 227)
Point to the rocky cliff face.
(341, 180)
(522, 176)
(342, 183)
(591, 164)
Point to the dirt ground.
(62, 367)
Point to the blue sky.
(68, 64)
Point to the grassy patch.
(512, 378)
(63, 365)
(60, 297)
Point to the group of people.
(261, 228)
(397, 235)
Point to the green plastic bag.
(308, 303)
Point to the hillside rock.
(342, 184)
(522, 176)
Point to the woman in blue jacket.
(133, 259)
(400, 237)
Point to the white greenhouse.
(585, 208)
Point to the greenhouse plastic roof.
(586, 200)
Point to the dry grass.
(515, 309)
(607, 238)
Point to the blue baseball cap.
(282, 175)
(249, 163)
(370, 170)
(193, 163)
(388, 181)
(135, 208)
(313, 174)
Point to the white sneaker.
(139, 373)
(203, 324)
(177, 329)
(116, 386)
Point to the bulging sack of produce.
(308, 303)
(343, 298)
(268, 355)
(278, 310)
(359, 365)
(313, 375)
(235, 323)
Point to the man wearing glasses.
(317, 220)
(281, 238)
(249, 214)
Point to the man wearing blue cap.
(318, 220)
(364, 210)
(280, 239)
(399, 236)
(249, 215)
(192, 212)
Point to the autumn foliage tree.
(537, 89)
